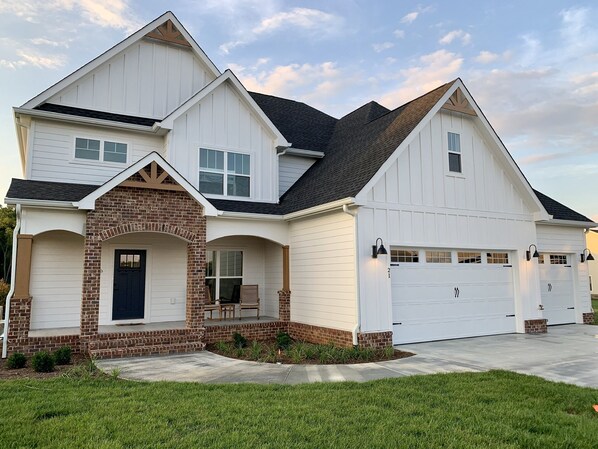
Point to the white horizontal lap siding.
(322, 253)
(272, 278)
(53, 152)
(223, 121)
(290, 169)
(56, 280)
(166, 275)
(572, 241)
(148, 79)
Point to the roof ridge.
(291, 100)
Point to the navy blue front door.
(128, 299)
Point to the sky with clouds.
(532, 66)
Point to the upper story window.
(215, 166)
(93, 150)
(454, 152)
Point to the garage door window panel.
(404, 256)
(469, 257)
(497, 258)
(438, 257)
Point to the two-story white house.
(149, 175)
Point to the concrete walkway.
(566, 354)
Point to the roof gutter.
(321, 208)
(56, 116)
(301, 153)
(13, 274)
(40, 203)
(250, 216)
(570, 223)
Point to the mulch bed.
(271, 354)
(28, 373)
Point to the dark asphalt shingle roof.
(558, 210)
(61, 109)
(48, 191)
(303, 126)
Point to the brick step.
(114, 341)
(137, 351)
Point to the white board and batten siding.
(53, 152)
(323, 271)
(419, 203)
(290, 169)
(223, 121)
(56, 280)
(569, 241)
(166, 276)
(148, 79)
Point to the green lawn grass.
(487, 410)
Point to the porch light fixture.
(584, 257)
(378, 249)
(528, 253)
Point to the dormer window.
(454, 153)
(215, 165)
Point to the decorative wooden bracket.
(153, 180)
(458, 103)
(167, 32)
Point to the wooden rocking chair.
(249, 299)
(209, 305)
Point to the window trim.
(225, 172)
(102, 140)
(448, 171)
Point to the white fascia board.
(88, 203)
(322, 208)
(40, 203)
(302, 153)
(68, 118)
(94, 63)
(168, 121)
(569, 223)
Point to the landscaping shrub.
(42, 362)
(283, 340)
(239, 341)
(4, 289)
(63, 355)
(16, 360)
(255, 350)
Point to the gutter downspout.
(13, 273)
(356, 328)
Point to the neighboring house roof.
(305, 127)
(79, 112)
(558, 210)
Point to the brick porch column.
(284, 295)
(194, 313)
(19, 320)
(90, 298)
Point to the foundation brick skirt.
(539, 326)
(375, 340)
(588, 318)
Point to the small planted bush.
(283, 340)
(239, 341)
(43, 362)
(16, 361)
(63, 355)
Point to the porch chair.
(209, 305)
(249, 299)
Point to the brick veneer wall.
(318, 334)
(375, 339)
(284, 305)
(539, 326)
(130, 209)
(251, 331)
(588, 317)
(18, 324)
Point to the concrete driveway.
(566, 354)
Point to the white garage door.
(451, 294)
(556, 281)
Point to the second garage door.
(439, 295)
(556, 282)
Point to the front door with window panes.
(224, 274)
